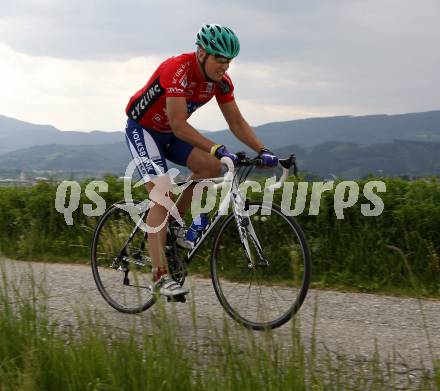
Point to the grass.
(37, 353)
(349, 254)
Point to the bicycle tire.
(229, 269)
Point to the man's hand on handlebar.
(268, 159)
(264, 159)
(219, 151)
(243, 161)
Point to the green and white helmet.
(218, 40)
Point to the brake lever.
(241, 155)
(290, 162)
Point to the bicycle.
(255, 243)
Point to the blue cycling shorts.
(150, 148)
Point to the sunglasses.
(221, 59)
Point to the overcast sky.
(74, 64)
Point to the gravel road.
(347, 323)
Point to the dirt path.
(347, 323)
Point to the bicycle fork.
(246, 231)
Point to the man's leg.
(146, 147)
(158, 217)
(157, 240)
(203, 165)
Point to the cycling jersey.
(178, 76)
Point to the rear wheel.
(122, 275)
(267, 291)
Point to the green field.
(379, 254)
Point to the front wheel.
(261, 281)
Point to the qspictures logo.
(346, 194)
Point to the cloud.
(90, 94)
(283, 29)
(75, 64)
(70, 94)
(103, 29)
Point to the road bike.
(260, 261)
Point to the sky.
(75, 64)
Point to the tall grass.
(353, 252)
(36, 353)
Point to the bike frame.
(239, 207)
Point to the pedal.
(177, 299)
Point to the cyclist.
(158, 129)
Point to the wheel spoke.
(109, 240)
(266, 295)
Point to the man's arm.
(240, 127)
(177, 116)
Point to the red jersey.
(178, 76)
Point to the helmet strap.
(203, 66)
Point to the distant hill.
(349, 160)
(64, 159)
(15, 134)
(364, 130)
(341, 159)
(104, 158)
(348, 147)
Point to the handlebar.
(244, 161)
